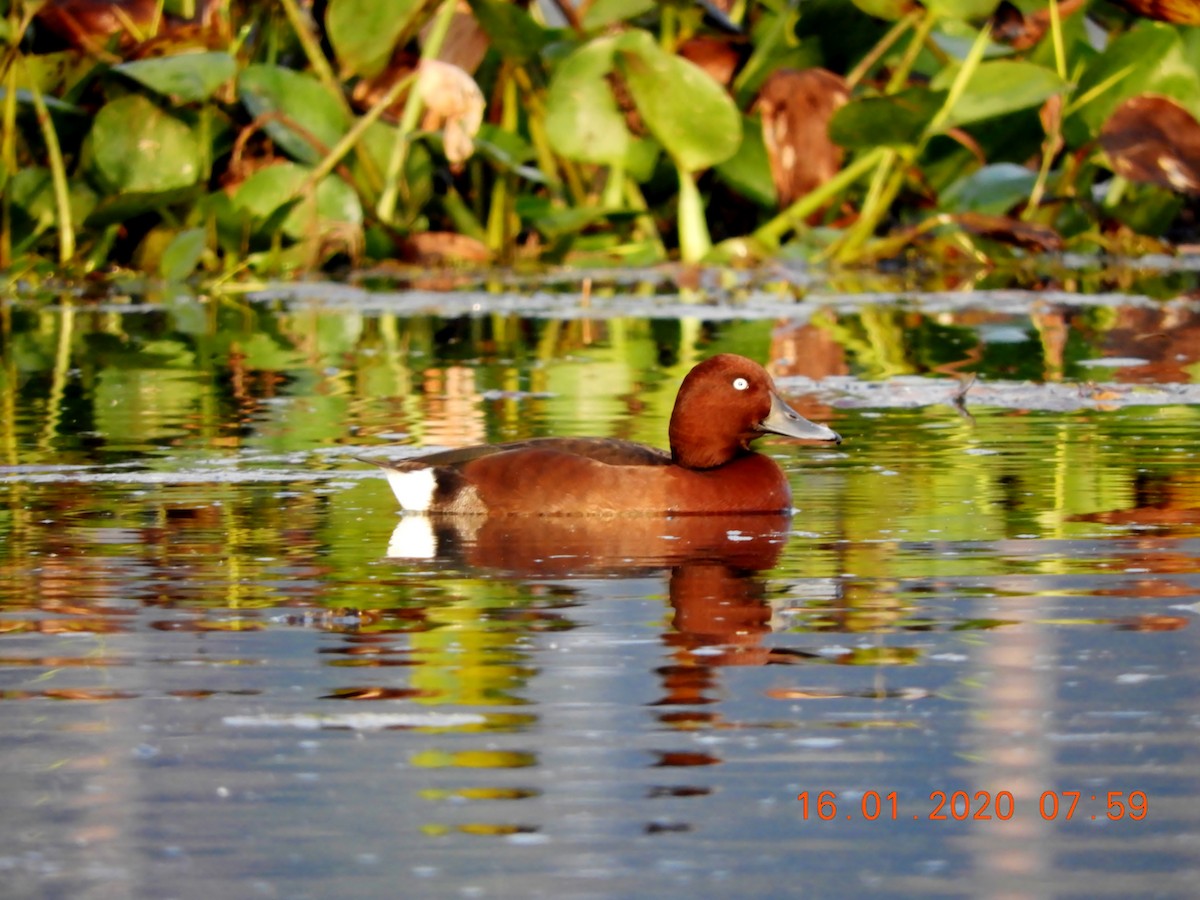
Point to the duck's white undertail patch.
(414, 489)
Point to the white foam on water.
(355, 721)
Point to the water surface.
(229, 668)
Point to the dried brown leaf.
(1034, 237)
(453, 103)
(796, 106)
(1153, 139)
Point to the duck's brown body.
(722, 406)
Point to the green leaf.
(139, 148)
(998, 87)
(602, 13)
(965, 10)
(53, 104)
(1151, 58)
(891, 10)
(365, 32)
(513, 34)
(992, 190)
(300, 100)
(749, 171)
(187, 77)
(557, 222)
(419, 170)
(641, 160)
(273, 190)
(183, 254)
(682, 106)
(260, 195)
(337, 203)
(31, 189)
(509, 152)
(897, 120)
(582, 118)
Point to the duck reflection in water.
(713, 566)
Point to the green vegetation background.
(264, 138)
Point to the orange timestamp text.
(963, 806)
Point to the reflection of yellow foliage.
(1052, 328)
(453, 411)
(472, 759)
(874, 339)
(491, 829)
(477, 793)
(481, 828)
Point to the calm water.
(228, 668)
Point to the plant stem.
(312, 51)
(325, 74)
(386, 208)
(1056, 34)
(502, 187)
(8, 160)
(867, 63)
(636, 200)
(885, 185)
(351, 137)
(772, 233)
(694, 240)
(924, 26)
(58, 173)
(961, 79)
(58, 378)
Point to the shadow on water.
(966, 664)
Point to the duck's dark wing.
(610, 451)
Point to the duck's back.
(610, 451)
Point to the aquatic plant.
(187, 138)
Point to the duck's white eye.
(740, 384)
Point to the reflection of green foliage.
(875, 339)
(204, 390)
(934, 345)
(1014, 359)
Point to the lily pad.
(139, 148)
(582, 118)
(183, 254)
(365, 32)
(994, 190)
(602, 13)
(307, 119)
(274, 189)
(687, 112)
(897, 120)
(999, 87)
(186, 77)
(511, 30)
